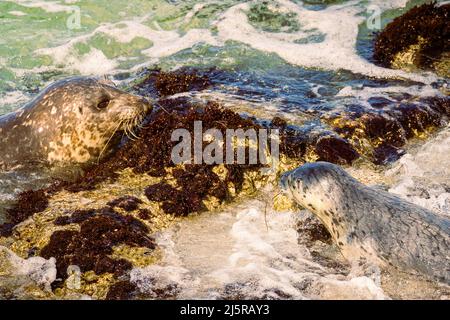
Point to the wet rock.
(122, 290)
(28, 203)
(152, 154)
(311, 230)
(425, 27)
(279, 123)
(379, 102)
(77, 216)
(415, 118)
(169, 83)
(293, 144)
(104, 264)
(380, 135)
(127, 203)
(378, 128)
(385, 154)
(91, 247)
(160, 192)
(387, 130)
(144, 214)
(175, 201)
(441, 105)
(335, 150)
(400, 96)
(6, 229)
(202, 180)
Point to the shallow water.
(306, 58)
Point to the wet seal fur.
(72, 121)
(372, 225)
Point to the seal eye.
(103, 104)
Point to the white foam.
(17, 13)
(423, 176)
(12, 98)
(233, 254)
(365, 93)
(386, 5)
(165, 43)
(37, 269)
(93, 63)
(168, 44)
(48, 6)
(359, 287)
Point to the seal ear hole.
(103, 104)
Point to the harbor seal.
(372, 225)
(73, 121)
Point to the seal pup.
(371, 225)
(72, 121)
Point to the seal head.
(370, 224)
(73, 121)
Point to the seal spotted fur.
(73, 121)
(371, 224)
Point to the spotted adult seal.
(72, 121)
(371, 224)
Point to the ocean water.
(275, 43)
(278, 57)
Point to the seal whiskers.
(108, 141)
(129, 130)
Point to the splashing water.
(244, 260)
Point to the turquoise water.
(33, 31)
(268, 42)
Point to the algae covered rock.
(380, 134)
(417, 39)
